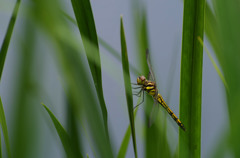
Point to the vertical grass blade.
(65, 139)
(227, 15)
(222, 29)
(191, 79)
(140, 25)
(72, 128)
(127, 83)
(3, 124)
(3, 54)
(214, 64)
(25, 133)
(0, 145)
(85, 20)
(211, 29)
(124, 146)
(7, 38)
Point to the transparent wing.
(154, 113)
(151, 75)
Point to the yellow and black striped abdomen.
(175, 118)
(150, 87)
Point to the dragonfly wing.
(151, 75)
(153, 114)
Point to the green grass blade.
(127, 82)
(140, 25)
(68, 17)
(0, 145)
(3, 123)
(227, 15)
(84, 16)
(25, 116)
(124, 146)
(191, 79)
(7, 38)
(72, 128)
(211, 29)
(222, 29)
(3, 54)
(65, 139)
(214, 64)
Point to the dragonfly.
(149, 85)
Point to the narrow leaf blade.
(214, 64)
(4, 128)
(7, 38)
(124, 146)
(64, 137)
(191, 79)
(127, 82)
(85, 20)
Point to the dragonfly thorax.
(141, 80)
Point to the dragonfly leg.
(136, 87)
(134, 83)
(139, 93)
(141, 101)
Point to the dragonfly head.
(141, 80)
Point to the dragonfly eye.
(141, 80)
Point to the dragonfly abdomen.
(175, 118)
